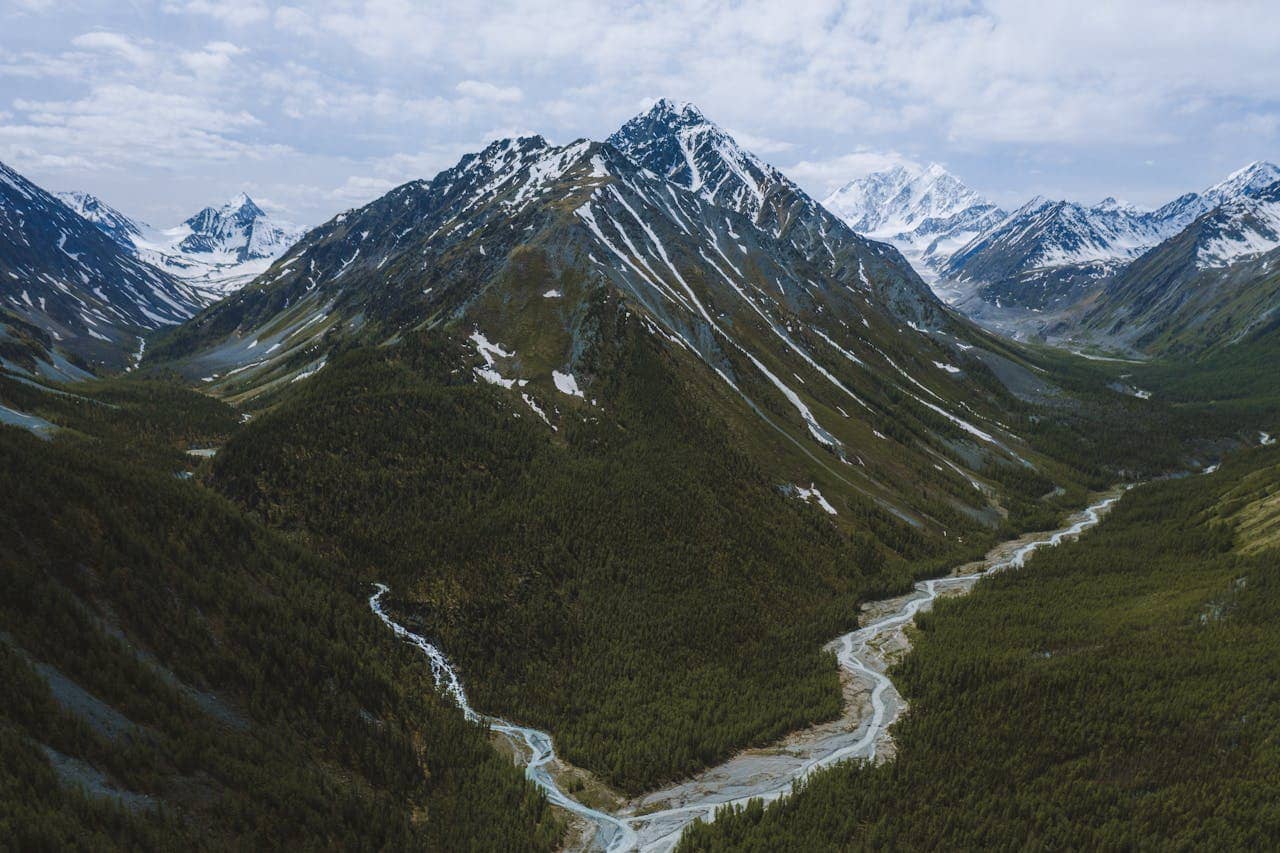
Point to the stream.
(654, 821)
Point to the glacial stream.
(654, 821)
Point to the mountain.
(927, 213)
(639, 404)
(824, 339)
(676, 141)
(220, 249)
(1213, 284)
(112, 222)
(1241, 183)
(216, 251)
(235, 233)
(1175, 581)
(628, 446)
(1048, 256)
(67, 277)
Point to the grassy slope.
(257, 702)
(1120, 692)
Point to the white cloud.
(36, 65)
(359, 190)
(213, 59)
(386, 88)
(117, 126)
(291, 19)
(480, 90)
(235, 13)
(761, 145)
(114, 43)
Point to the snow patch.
(566, 384)
(812, 494)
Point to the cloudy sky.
(161, 107)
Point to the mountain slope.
(1068, 705)
(112, 222)
(1047, 254)
(676, 141)
(64, 275)
(1214, 284)
(176, 676)
(1241, 183)
(927, 213)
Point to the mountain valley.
(626, 431)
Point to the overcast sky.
(162, 107)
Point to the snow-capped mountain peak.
(675, 140)
(112, 222)
(1112, 204)
(220, 248)
(926, 212)
(1256, 176)
(238, 228)
(1245, 226)
(1243, 182)
(1049, 255)
(683, 111)
(898, 199)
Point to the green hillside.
(1119, 693)
(176, 675)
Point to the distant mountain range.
(1213, 284)
(86, 283)
(1057, 269)
(217, 250)
(927, 213)
(1075, 272)
(68, 277)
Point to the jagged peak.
(241, 201)
(685, 111)
(1037, 203)
(671, 118)
(504, 144)
(676, 141)
(1111, 204)
(239, 207)
(520, 151)
(502, 153)
(1250, 178)
(1261, 168)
